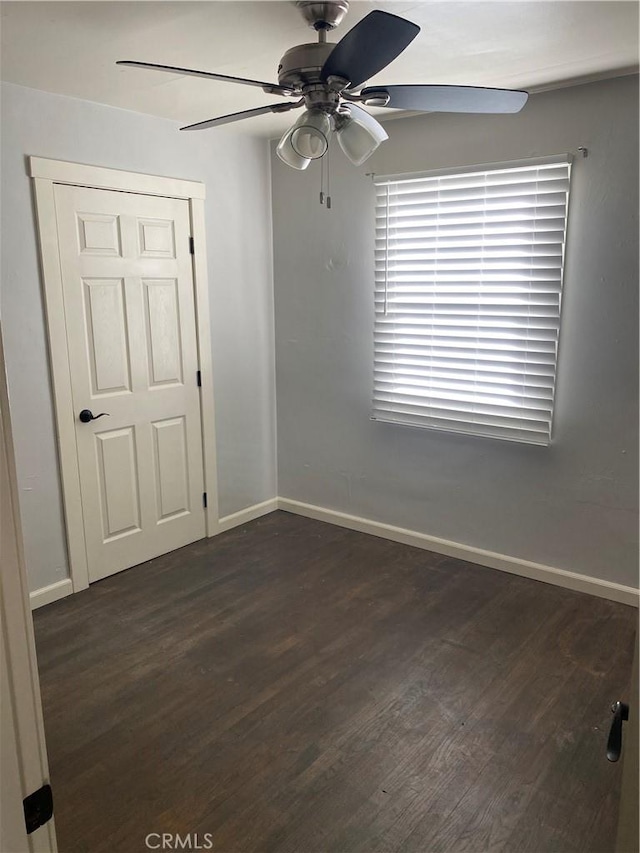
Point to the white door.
(131, 333)
(13, 835)
(23, 754)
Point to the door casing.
(45, 173)
(23, 752)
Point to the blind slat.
(468, 281)
(502, 361)
(504, 432)
(475, 390)
(499, 383)
(517, 419)
(442, 367)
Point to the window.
(468, 284)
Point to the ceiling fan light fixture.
(359, 134)
(288, 154)
(310, 134)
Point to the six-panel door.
(130, 317)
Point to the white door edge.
(24, 766)
(45, 174)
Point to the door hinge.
(199, 378)
(38, 808)
(192, 246)
(204, 500)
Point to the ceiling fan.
(327, 79)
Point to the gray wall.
(572, 505)
(235, 170)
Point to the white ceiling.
(71, 48)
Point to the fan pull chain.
(325, 184)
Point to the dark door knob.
(87, 415)
(620, 713)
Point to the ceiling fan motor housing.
(301, 65)
(323, 15)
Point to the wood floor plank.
(295, 687)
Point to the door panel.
(172, 472)
(130, 315)
(99, 234)
(163, 331)
(118, 482)
(107, 339)
(157, 238)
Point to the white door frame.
(45, 174)
(23, 753)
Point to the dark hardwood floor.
(293, 687)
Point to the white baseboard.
(61, 589)
(525, 568)
(248, 514)
(514, 565)
(47, 594)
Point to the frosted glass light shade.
(310, 134)
(359, 135)
(288, 155)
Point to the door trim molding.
(205, 360)
(45, 174)
(103, 178)
(21, 690)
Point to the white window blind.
(468, 283)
